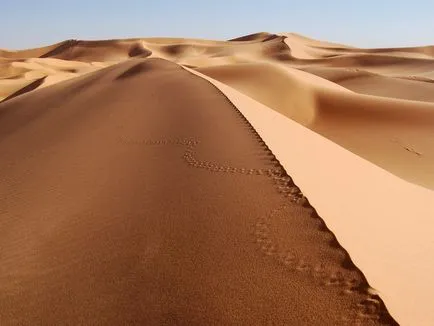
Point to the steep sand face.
(297, 94)
(380, 219)
(139, 194)
(25, 73)
(376, 103)
(396, 135)
(402, 87)
(30, 53)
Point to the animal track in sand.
(346, 276)
(191, 160)
(370, 307)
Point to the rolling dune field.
(267, 179)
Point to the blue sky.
(367, 23)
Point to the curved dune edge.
(413, 88)
(380, 219)
(357, 199)
(83, 242)
(391, 72)
(392, 133)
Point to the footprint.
(303, 266)
(289, 260)
(269, 249)
(319, 271)
(335, 279)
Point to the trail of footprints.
(190, 159)
(370, 307)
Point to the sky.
(367, 23)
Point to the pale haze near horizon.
(370, 23)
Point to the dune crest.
(372, 231)
(370, 109)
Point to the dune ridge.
(375, 103)
(111, 241)
(365, 230)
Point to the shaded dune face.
(146, 197)
(396, 135)
(28, 88)
(261, 37)
(126, 191)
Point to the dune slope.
(396, 135)
(81, 126)
(380, 219)
(138, 207)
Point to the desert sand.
(265, 179)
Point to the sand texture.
(268, 179)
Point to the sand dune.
(143, 215)
(403, 87)
(108, 119)
(365, 230)
(395, 135)
(30, 53)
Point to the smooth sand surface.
(59, 108)
(157, 209)
(375, 102)
(387, 234)
(397, 135)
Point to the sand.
(113, 155)
(383, 224)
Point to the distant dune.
(102, 223)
